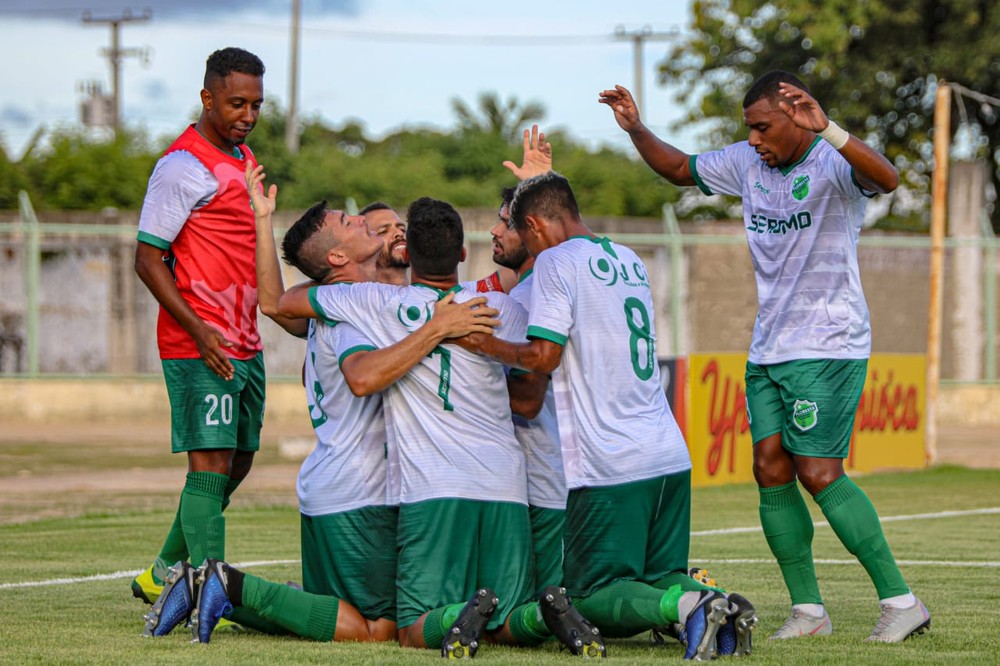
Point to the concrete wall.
(96, 317)
(85, 400)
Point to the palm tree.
(505, 119)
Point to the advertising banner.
(888, 427)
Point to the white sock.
(812, 610)
(902, 601)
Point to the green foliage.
(74, 170)
(12, 180)
(79, 172)
(874, 66)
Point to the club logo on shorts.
(805, 413)
(800, 187)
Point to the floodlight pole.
(115, 54)
(939, 220)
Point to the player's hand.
(621, 102)
(454, 320)
(537, 156)
(803, 110)
(210, 345)
(263, 206)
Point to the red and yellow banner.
(888, 428)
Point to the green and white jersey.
(347, 469)
(539, 437)
(592, 297)
(448, 419)
(802, 223)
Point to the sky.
(385, 63)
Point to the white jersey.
(802, 224)
(448, 419)
(179, 184)
(592, 296)
(539, 437)
(347, 469)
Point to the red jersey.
(213, 258)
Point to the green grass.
(103, 532)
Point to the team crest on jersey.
(413, 316)
(800, 187)
(805, 414)
(609, 272)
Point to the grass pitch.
(951, 560)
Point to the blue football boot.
(174, 604)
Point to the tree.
(504, 119)
(873, 65)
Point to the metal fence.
(71, 304)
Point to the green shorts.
(352, 556)
(547, 529)
(811, 402)
(449, 548)
(208, 412)
(637, 531)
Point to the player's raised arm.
(872, 170)
(537, 157)
(369, 372)
(664, 159)
(270, 285)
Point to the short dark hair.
(548, 195)
(434, 237)
(373, 206)
(231, 59)
(507, 195)
(766, 87)
(298, 251)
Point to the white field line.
(905, 563)
(122, 574)
(732, 530)
(885, 519)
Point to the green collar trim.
(785, 170)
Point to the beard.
(386, 259)
(511, 258)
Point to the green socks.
(626, 608)
(302, 613)
(527, 626)
(788, 529)
(175, 547)
(437, 623)
(201, 516)
(855, 521)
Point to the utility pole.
(292, 124)
(638, 38)
(115, 53)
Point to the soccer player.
(348, 512)
(385, 222)
(463, 521)
(392, 264)
(804, 183)
(195, 253)
(539, 437)
(626, 464)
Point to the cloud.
(16, 116)
(73, 10)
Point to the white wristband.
(835, 135)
